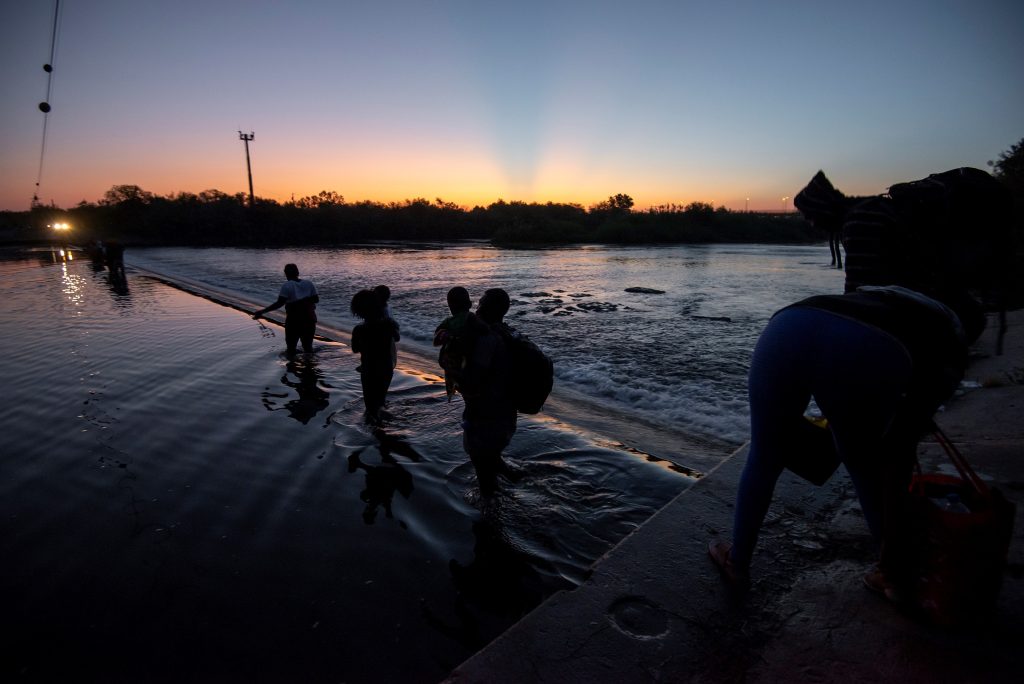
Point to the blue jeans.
(857, 374)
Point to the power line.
(44, 106)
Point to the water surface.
(180, 501)
(675, 360)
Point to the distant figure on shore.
(826, 208)
(878, 360)
(383, 293)
(374, 340)
(113, 254)
(486, 385)
(299, 298)
(449, 337)
(95, 251)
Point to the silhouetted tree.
(616, 203)
(324, 198)
(120, 194)
(1009, 168)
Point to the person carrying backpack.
(486, 385)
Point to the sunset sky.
(472, 101)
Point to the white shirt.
(294, 290)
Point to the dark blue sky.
(472, 101)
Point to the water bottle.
(951, 503)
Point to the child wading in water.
(448, 336)
(374, 340)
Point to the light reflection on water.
(73, 285)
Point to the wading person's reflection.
(382, 481)
(312, 398)
(500, 578)
(118, 283)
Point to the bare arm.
(281, 301)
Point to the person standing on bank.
(489, 419)
(299, 298)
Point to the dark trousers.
(299, 328)
(375, 384)
(858, 376)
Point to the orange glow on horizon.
(464, 176)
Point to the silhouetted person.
(489, 419)
(299, 299)
(383, 293)
(95, 251)
(878, 363)
(373, 340)
(449, 337)
(878, 360)
(826, 208)
(113, 254)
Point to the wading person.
(449, 336)
(299, 299)
(373, 339)
(489, 419)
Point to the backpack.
(533, 373)
(962, 219)
(944, 235)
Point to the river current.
(662, 335)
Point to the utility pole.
(248, 165)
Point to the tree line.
(135, 216)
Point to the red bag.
(964, 540)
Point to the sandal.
(719, 551)
(877, 582)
